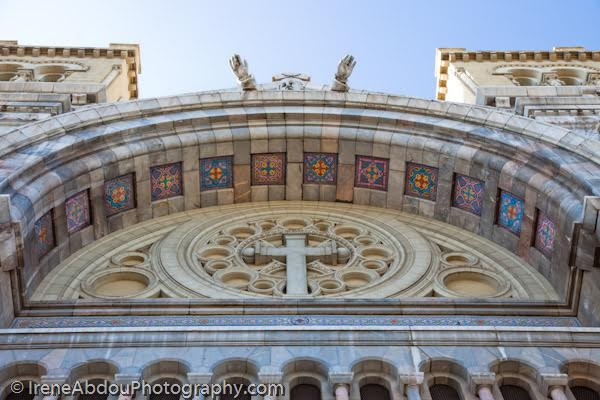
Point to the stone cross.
(295, 251)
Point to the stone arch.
(519, 373)
(165, 369)
(127, 138)
(8, 70)
(449, 372)
(93, 372)
(93, 369)
(25, 371)
(377, 371)
(582, 373)
(307, 371)
(236, 368)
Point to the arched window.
(243, 393)
(8, 71)
(443, 392)
(584, 393)
(50, 73)
(94, 396)
(305, 392)
(374, 391)
(512, 392)
(165, 383)
(23, 396)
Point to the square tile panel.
(421, 181)
(216, 173)
(320, 168)
(468, 194)
(119, 195)
(510, 212)
(166, 181)
(268, 169)
(371, 173)
(77, 211)
(545, 234)
(44, 234)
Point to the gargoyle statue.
(345, 67)
(240, 69)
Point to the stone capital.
(53, 379)
(552, 381)
(125, 379)
(270, 375)
(479, 379)
(415, 378)
(339, 376)
(199, 377)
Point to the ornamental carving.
(293, 250)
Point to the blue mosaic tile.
(320, 168)
(119, 195)
(421, 181)
(510, 212)
(216, 173)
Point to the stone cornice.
(445, 56)
(368, 107)
(13, 339)
(128, 52)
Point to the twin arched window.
(305, 391)
(374, 392)
(443, 392)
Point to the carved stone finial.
(344, 70)
(23, 75)
(552, 80)
(239, 67)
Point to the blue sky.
(186, 44)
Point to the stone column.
(485, 392)
(51, 380)
(341, 391)
(341, 381)
(482, 384)
(412, 384)
(270, 376)
(412, 392)
(10, 242)
(558, 393)
(554, 385)
(125, 382)
(199, 378)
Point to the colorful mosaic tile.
(119, 195)
(421, 181)
(468, 194)
(371, 173)
(320, 168)
(510, 212)
(216, 173)
(545, 234)
(166, 181)
(44, 234)
(77, 211)
(268, 169)
(287, 320)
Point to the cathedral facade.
(342, 243)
